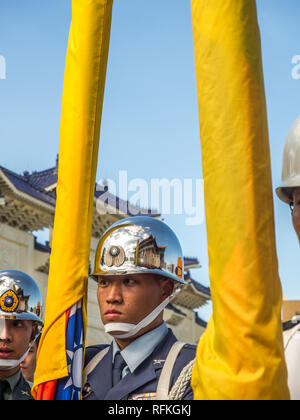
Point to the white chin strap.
(12, 363)
(7, 364)
(130, 330)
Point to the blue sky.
(150, 117)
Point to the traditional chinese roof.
(200, 288)
(43, 179)
(28, 201)
(173, 315)
(42, 247)
(191, 262)
(174, 309)
(124, 207)
(192, 295)
(23, 205)
(23, 187)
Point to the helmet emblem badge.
(114, 256)
(9, 301)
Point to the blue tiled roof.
(42, 247)
(198, 286)
(188, 261)
(34, 185)
(24, 185)
(174, 309)
(122, 205)
(43, 179)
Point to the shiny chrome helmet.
(138, 245)
(20, 297)
(291, 165)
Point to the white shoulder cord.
(183, 380)
(180, 386)
(93, 363)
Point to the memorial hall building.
(27, 206)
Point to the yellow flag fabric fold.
(240, 356)
(81, 112)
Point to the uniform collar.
(13, 380)
(136, 352)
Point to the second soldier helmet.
(20, 297)
(291, 165)
(138, 245)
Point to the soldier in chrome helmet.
(289, 191)
(138, 265)
(20, 325)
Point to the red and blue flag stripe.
(69, 388)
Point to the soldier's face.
(15, 338)
(296, 212)
(129, 299)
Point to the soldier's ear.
(167, 287)
(34, 331)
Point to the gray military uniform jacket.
(142, 383)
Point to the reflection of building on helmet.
(140, 245)
(20, 297)
(291, 165)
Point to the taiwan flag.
(69, 388)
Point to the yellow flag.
(240, 356)
(78, 153)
